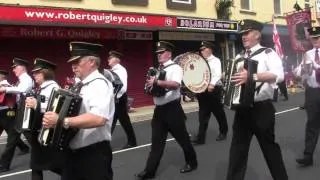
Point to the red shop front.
(39, 35)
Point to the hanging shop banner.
(298, 23)
(57, 33)
(37, 15)
(318, 10)
(207, 24)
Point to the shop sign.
(32, 15)
(135, 35)
(186, 36)
(57, 33)
(207, 24)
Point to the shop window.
(246, 4)
(181, 4)
(131, 2)
(307, 3)
(277, 7)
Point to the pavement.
(146, 112)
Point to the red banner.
(27, 15)
(57, 33)
(298, 23)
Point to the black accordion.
(240, 96)
(66, 104)
(25, 119)
(155, 90)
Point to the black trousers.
(121, 113)
(169, 118)
(312, 105)
(88, 163)
(283, 89)
(13, 139)
(210, 102)
(258, 121)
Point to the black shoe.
(144, 175)
(23, 151)
(302, 107)
(221, 137)
(127, 146)
(197, 142)
(188, 168)
(305, 161)
(4, 168)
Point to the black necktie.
(161, 66)
(248, 52)
(316, 57)
(77, 87)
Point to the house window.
(277, 7)
(307, 3)
(245, 4)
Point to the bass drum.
(196, 72)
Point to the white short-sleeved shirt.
(45, 90)
(25, 85)
(98, 99)
(268, 61)
(123, 75)
(215, 67)
(173, 73)
(310, 79)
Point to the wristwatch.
(255, 77)
(66, 122)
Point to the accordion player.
(155, 90)
(66, 104)
(241, 96)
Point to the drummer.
(168, 115)
(210, 101)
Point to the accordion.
(240, 96)
(155, 90)
(26, 116)
(66, 104)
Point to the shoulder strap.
(257, 52)
(46, 86)
(94, 80)
(169, 65)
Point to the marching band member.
(309, 69)
(210, 101)
(42, 158)
(24, 85)
(90, 154)
(168, 115)
(121, 111)
(258, 119)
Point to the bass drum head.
(196, 71)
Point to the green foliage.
(223, 9)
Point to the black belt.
(169, 103)
(92, 147)
(263, 102)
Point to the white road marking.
(129, 149)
